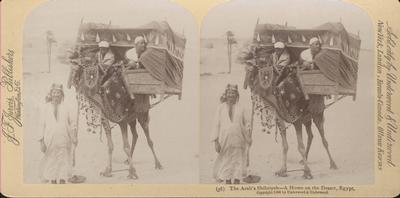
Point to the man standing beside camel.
(231, 137)
(58, 137)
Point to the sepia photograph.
(183, 98)
(287, 93)
(108, 91)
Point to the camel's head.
(78, 62)
(75, 70)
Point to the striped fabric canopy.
(338, 60)
(165, 48)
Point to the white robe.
(282, 60)
(306, 55)
(58, 136)
(234, 137)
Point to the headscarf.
(53, 87)
(232, 87)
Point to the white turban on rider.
(104, 44)
(313, 40)
(138, 38)
(279, 45)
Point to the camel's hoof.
(133, 176)
(132, 173)
(301, 162)
(307, 175)
(333, 166)
(159, 166)
(106, 173)
(281, 173)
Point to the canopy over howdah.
(338, 60)
(165, 48)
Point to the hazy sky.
(63, 16)
(240, 16)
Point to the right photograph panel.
(287, 91)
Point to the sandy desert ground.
(348, 127)
(175, 141)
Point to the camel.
(115, 82)
(287, 82)
(306, 120)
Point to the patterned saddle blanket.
(282, 92)
(108, 93)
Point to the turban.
(55, 86)
(279, 45)
(104, 44)
(313, 40)
(139, 38)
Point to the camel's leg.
(143, 119)
(319, 123)
(132, 125)
(310, 137)
(107, 128)
(285, 147)
(126, 147)
(251, 133)
(300, 147)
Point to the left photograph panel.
(110, 93)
